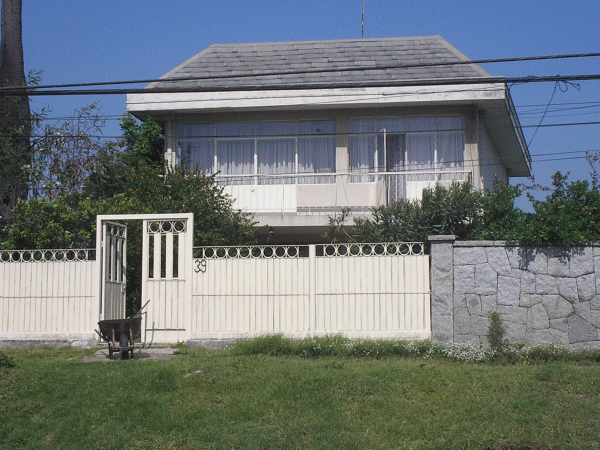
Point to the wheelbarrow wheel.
(124, 343)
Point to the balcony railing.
(327, 192)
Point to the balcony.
(326, 193)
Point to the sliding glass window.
(274, 152)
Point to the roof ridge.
(329, 41)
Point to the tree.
(66, 153)
(127, 184)
(15, 118)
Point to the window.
(263, 152)
(405, 144)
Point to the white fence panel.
(48, 294)
(363, 290)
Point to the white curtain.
(236, 157)
(276, 157)
(316, 156)
(420, 150)
(450, 151)
(198, 154)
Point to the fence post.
(442, 287)
(312, 264)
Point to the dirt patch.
(142, 355)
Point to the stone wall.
(543, 294)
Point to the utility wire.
(311, 71)
(308, 86)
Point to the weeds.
(6, 362)
(338, 345)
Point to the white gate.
(113, 259)
(166, 276)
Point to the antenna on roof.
(362, 29)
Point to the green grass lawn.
(227, 400)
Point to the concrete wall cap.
(442, 237)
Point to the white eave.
(186, 102)
(492, 98)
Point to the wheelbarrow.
(120, 335)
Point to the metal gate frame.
(185, 268)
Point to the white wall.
(491, 166)
(359, 296)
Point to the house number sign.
(200, 265)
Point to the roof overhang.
(493, 99)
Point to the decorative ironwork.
(167, 226)
(115, 230)
(68, 255)
(248, 252)
(376, 249)
(302, 251)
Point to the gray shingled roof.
(255, 61)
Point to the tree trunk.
(15, 118)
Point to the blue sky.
(74, 41)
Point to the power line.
(308, 86)
(64, 135)
(309, 71)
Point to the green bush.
(496, 332)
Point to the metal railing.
(57, 255)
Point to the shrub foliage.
(569, 215)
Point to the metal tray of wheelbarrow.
(120, 335)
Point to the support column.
(442, 288)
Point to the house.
(295, 131)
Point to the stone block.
(581, 261)
(583, 310)
(560, 325)
(538, 337)
(514, 314)
(460, 300)
(527, 282)
(468, 339)
(473, 303)
(595, 302)
(462, 321)
(486, 280)
(595, 318)
(509, 291)
(498, 260)
(537, 261)
(556, 307)
(469, 255)
(479, 325)
(517, 257)
(581, 330)
(545, 285)
(464, 279)
(489, 303)
(537, 319)
(567, 288)
(528, 300)
(545, 337)
(515, 332)
(586, 287)
(558, 262)
(559, 337)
